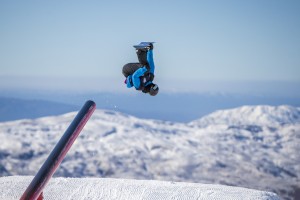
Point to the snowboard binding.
(144, 45)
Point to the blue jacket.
(136, 78)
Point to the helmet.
(153, 90)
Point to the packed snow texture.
(252, 146)
(12, 188)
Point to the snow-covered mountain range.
(252, 146)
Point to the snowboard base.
(143, 45)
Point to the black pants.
(130, 68)
(142, 56)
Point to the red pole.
(41, 197)
(35, 188)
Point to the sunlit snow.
(11, 188)
(252, 146)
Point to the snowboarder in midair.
(140, 75)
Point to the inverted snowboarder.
(140, 75)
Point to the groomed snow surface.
(11, 188)
(253, 147)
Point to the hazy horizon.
(82, 85)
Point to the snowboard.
(143, 45)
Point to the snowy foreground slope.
(121, 189)
(252, 146)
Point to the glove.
(151, 76)
(146, 90)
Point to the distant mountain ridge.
(15, 109)
(232, 147)
(259, 115)
(176, 107)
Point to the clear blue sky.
(227, 41)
